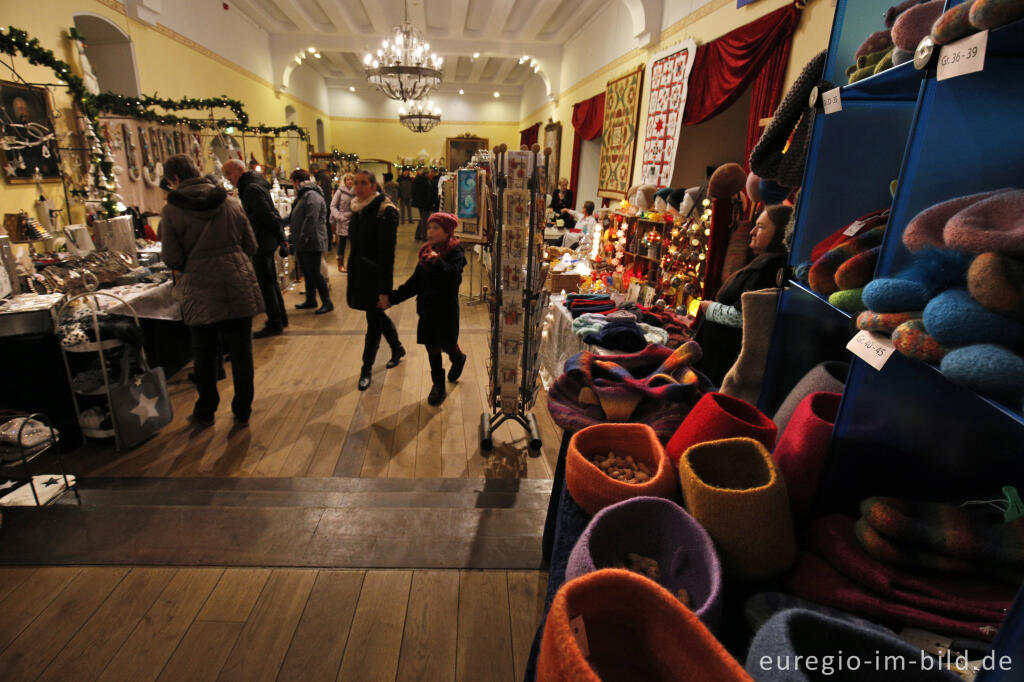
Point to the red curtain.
(723, 68)
(588, 123)
(765, 94)
(529, 136)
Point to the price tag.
(579, 631)
(962, 57)
(872, 348)
(854, 228)
(832, 101)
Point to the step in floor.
(327, 522)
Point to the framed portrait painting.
(553, 139)
(459, 150)
(28, 139)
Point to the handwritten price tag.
(854, 228)
(832, 102)
(872, 348)
(962, 57)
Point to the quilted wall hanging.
(618, 148)
(670, 72)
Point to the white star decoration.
(146, 409)
(11, 170)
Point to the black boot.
(458, 364)
(437, 392)
(396, 357)
(307, 305)
(365, 377)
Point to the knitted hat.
(931, 272)
(821, 641)
(987, 369)
(912, 340)
(955, 319)
(895, 11)
(803, 447)
(856, 228)
(753, 187)
(849, 300)
(902, 56)
(728, 179)
(914, 24)
(926, 228)
(661, 530)
(993, 224)
(621, 335)
(446, 221)
(733, 488)
(996, 281)
(976, 534)
(993, 13)
(592, 489)
(879, 40)
(633, 630)
(953, 25)
(858, 271)
(717, 416)
(829, 377)
(823, 272)
(884, 323)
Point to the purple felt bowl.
(662, 530)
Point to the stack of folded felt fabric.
(656, 386)
(617, 332)
(961, 301)
(972, 16)
(842, 567)
(579, 304)
(905, 25)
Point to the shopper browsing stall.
(341, 214)
(435, 284)
(309, 238)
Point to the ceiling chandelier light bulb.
(367, 59)
(476, 55)
(461, 91)
(311, 50)
(497, 94)
(351, 88)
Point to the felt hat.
(996, 281)
(760, 608)
(803, 447)
(955, 319)
(661, 530)
(879, 40)
(633, 629)
(664, 193)
(855, 228)
(744, 378)
(986, 14)
(818, 640)
(727, 180)
(592, 489)
(931, 272)
(646, 195)
(717, 416)
(753, 187)
(868, 64)
(621, 335)
(895, 11)
(858, 270)
(447, 222)
(849, 300)
(912, 340)
(988, 369)
(914, 24)
(884, 323)
(953, 25)
(926, 228)
(992, 224)
(773, 193)
(823, 273)
(829, 377)
(902, 56)
(733, 488)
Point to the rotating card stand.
(517, 293)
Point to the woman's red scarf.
(442, 250)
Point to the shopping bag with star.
(140, 403)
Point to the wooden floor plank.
(403, 449)
(22, 606)
(319, 642)
(428, 440)
(380, 447)
(484, 645)
(95, 644)
(40, 642)
(431, 625)
(202, 652)
(526, 593)
(13, 577)
(153, 642)
(235, 595)
(263, 643)
(376, 635)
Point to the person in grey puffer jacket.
(309, 238)
(206, 238)
(341, 214)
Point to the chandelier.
(404, 68)
(420, 117)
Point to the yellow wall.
(388, 139)
(706, 24)
(168, 65)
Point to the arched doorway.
(110, 53)
(320, 144)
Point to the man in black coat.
(254, 193)
(421, 201)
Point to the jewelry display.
(130, 153)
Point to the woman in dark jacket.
(372, 232)
(562, 197)
(435, 284)
(309, 238)
(421, 201)
(721, 330)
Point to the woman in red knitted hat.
(435, 284)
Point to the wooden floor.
(309, 419)
(190, 624)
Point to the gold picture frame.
(459, 150)
(553, 139)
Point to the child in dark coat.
(435, 284)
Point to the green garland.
(342, 156)
(141, 107)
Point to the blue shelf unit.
(904, 431)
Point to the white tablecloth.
(560, 343)
(150, 301)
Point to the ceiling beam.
(502, 73)
(299, 16)
(586, 12)
(257, 14)
(457, 22)
(377, 18)
(478, 69)
(449, 48)
(540, 15)
(498, 17)
(341, 65)
(345, 13)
